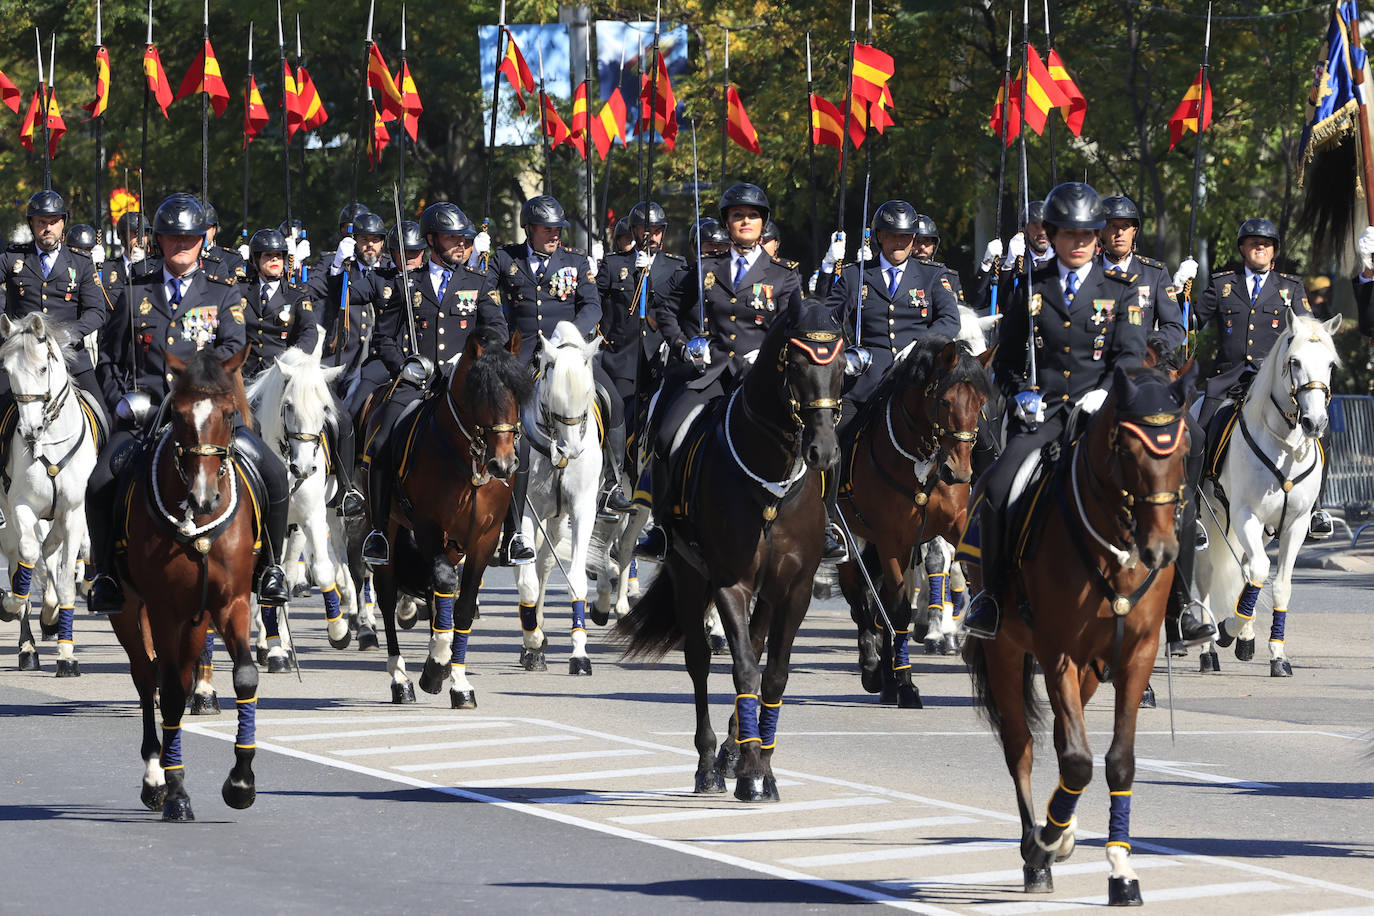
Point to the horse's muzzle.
(503, 466)
(951, 474)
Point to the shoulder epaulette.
(577, 251)
(1149, 262)
(80, 254)
(1120, 276)
(787, 262)
(1225, 274)
(211, 256)
(1044, 269)
(473, 270)
(673, 257)
(931, 262)
(18, 247)
(227, 281)
(1293, 278)
(148, 273)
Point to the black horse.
(746, 524)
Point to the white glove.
(1092, 401)
(1186, 271)
(1016, 247)
(643, 259)
(815, 278)
(98, 254)
(302, 253)
(593, 265)
(482, 244)
(244, 252)
(833, 254)
(1366, 248)
(347, 250)
(866, 253)
(137, 254)
(992, 252)
(598, 249)
(1029, 408)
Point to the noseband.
(478, 442)
(1162, 434)
(52, 403)
(1291, 417)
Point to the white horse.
(1268, 483)
(293, 402)
(565, 470)
(51, 456)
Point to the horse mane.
(918, 364)
(495, 379)
(1302, 331)
(295, 376)
(32, 349)
(204, 375)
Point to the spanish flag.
(379, 138)
(858, 121)
(10, 96)
(204, 76)
(410, 101)
(872, 70)
(554, 128)
(1078, 105)
(95, 106)
(878, 111)
(157, 79)
(516, 70)
(313, 114)
(1042, 93)
(827, 124)
(56, 126)
(609, 123)
(1194, 112)
(662, 109)
(580, 115)
(255, 115)
(737, 124)
(379, 78)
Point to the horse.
(191, 535)
(453, 457)
(1104, 525)
(1267, 488)
(560, 505)
(51, 455)
(293, 403)
(746, 524)
(905, 474)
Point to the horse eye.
(43, 371)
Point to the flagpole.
(848, 108)
(1002, 156)
(286, 137)
(1031, 373)
(811, 158)
(587, 137)
(1049, 128)
(868, 155)
(99, 137)
(365, 116)
(639, 118)
(724, 106)
(610, 150)
(543, 116)
(653, 108)
(300, 63)
(43, 112)
(1197, 147)
(401, 140)
(1366, 154)
(247, 141)
(495, 100)
(204, 115)
(147, 97)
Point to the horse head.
(567, 388)
(36, 362)
(490, 386)
(812, 380)
(307, 405)
(1137, 451)
(203, 405)
(956, 391)
(1308, 358)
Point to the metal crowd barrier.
(1350, 461)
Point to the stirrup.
(984, 617)
(613, 504)
(1320, 527)
(834, 550)
(272, 590)
(352, 505)
(376, 549)
(106, 596)
(1200, 539)
(516, 552)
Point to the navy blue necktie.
(175, 298)
(741, 268)
(1254, 295)
(1070, 287)
(443, 283)
(893, 278)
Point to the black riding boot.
(1320, 527)
(984, 616)
(376, 549)
(834, 550)
(107, 593)
(613, 502)
(1181, 627)
(272, 590)
(345, 453)
(514, 551)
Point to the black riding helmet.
(132, 224)
(1259, 227)
(1120, 207)
(926, 228)
(444, 216)
(368, 223)
(81, 235)
(895, 216)
(265, 240)
(180, 214)
(1035, 214)
(211, 214)
(744, 195)
(46, 203)
(1074, 205)
(770, 231)
(622, 228)
(708, 230)
(350, 213)
(288, 224)
(656, 217)
(542, 211)
(409, 234)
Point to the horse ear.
(232, 364)
(590, 347)
(986, 356)
(36, 325)
(1292, 317)
(988, 322)
(949, 356)
(319, 346)
(1182, 371)
(1334, 323)
(332, 373)
(513, 344)
(175, 364)
(1178, 387)
(7, 326)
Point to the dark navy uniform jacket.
(1156, 295)
(737, 319)
(289, 318)
(68, 295)
(222, 262)
(210, 314)
(1246, 331)
(618, 285)
(1077, 345)
(349, 334)
(533, 306)
(923, 305)
(441, 326)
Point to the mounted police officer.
(217, 260)
(348, 332)
(1249, 307)
(49, 278)
(348, 217)
(745, 290)
(132, 230)
(279, 314)
(83, 239)
(177, 308)
(385, 355)
(622, 239)
(708, 239)
(448, 301)
(1085, 321)
(542, 283)
(1002, 272)
(298, 248)
(927, 245)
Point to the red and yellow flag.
(827, 124)
(1194, 112)
(872, 70)
(379, 139)
(204, 76)
(313, 114)
(122, 201)
(97, 105)
(1078, 105)
(56, 126)
(580, 115)
(255, 116)
(157, 79)
(737, 123)
(517, 72)
(1042, 93)
(410, 101)
(609, 123)
(291, 100)
(662, 109)
(858, 121)
(10, 96)
(878, 111)
(554, 127)
(379, 78)
(1010, 112)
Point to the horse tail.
(651, 628)
(976, 658)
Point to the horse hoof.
(754, 789)
(719, 644)
(1278, 667)
(710, 783)
(908, 697)
(1208, 662)
(1123, 892)
(726, 760)
(278, 664)
(580, 665)
(1038, 879)
(205, 704)
(406, 623)
(301, 590)
(28, 661)
(533, 660)
(367, 639)
(153, 797)
(770, 789)
(1223, 638)
(1245, 649)
(1147, 699)
(932, 647)
(949, 645)
(49, 631)
(238, 796)
(342, 642)
(462, 699)
(262, 657)
(598, 616)
(403, 693)
(433, 676)
(177, 809)
(68, 667)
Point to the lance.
(1031, 371)
(491, 130)
(868, 151)
(1049, 127)
(811, 159)
(99, 139)
(1366, 156)
(401, 145)
(47, 111)
(848, 108)
(653, 105)
(204, 114)
(696, 217)
(544, 116)
(1002, 156)
(247, 142)
(286, 79)
(639, 120)
(405, 273)
(300, 63)
(133, 332)
(610, 151)
(43, 104)
(587, 138)
(147, 97)
(725, 107)
(1202, 112)
(365, 114)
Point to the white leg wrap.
(1119, 858)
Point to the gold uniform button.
(1066, 373)
(1252, 327)
(1068, 324)
(1063, 397)
(732, 353)
(169, 341)
(169, 376)
(45, 310)
(1068, 349)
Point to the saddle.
(1219, 430)
(685, 464)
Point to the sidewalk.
(1336, 554)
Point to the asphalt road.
(574, 793)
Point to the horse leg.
(204, 699)
(323, 567)
(28, 649)
(25, 559)
(529, 583)
(1290, 541)
(61, 567)
(894, 584)
(715, 631)
(689, 602)
(733, 603)
(384, 588)
(460, 693)
(131, 629)
(1123, 888)
(1054, 840)
(444, 584)
(239, 789)
(1254, 569)
(786, 621)
(958, 602)
(367, 610)
(296, 580)
(176, 661)
(580, 538)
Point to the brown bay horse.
(1091, 602)
(748, 538)
(191, 533)
(905, 475)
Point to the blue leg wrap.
(209, 649)
(460, 648)
(1062, 805)
(332, 609)
(579, 615)
(938, 583)
(443, 613)
(367, 590)
(248, 729)
(768, 724)
(1276, 628)
(270, 625)
(1119, 821)
(901, 658)
(529, 620)
(66, 616)
(959, 598)
(21, 580)
(171, 746)
(634, 569)
(1245, 604)
(747, 717)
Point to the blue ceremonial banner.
(1333, 104)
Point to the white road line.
(583, 776)
(521, 760)
(1180, 768)
(421, 714)
(1348, 911)
(906, 852)
(676, 792)
(1208, 732)
(1160, 896)
(404, 730)
(1014, 876)
(736, 810)
(836, 830)
(453, 745)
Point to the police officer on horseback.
(175, 307)
(215, 259)
(1060, 340)
(132, 231)
(278, 314)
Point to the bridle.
(478, 441)
(547, 421)
(199, 450)
(931, 447)
(52, 403)
(1291, 417)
